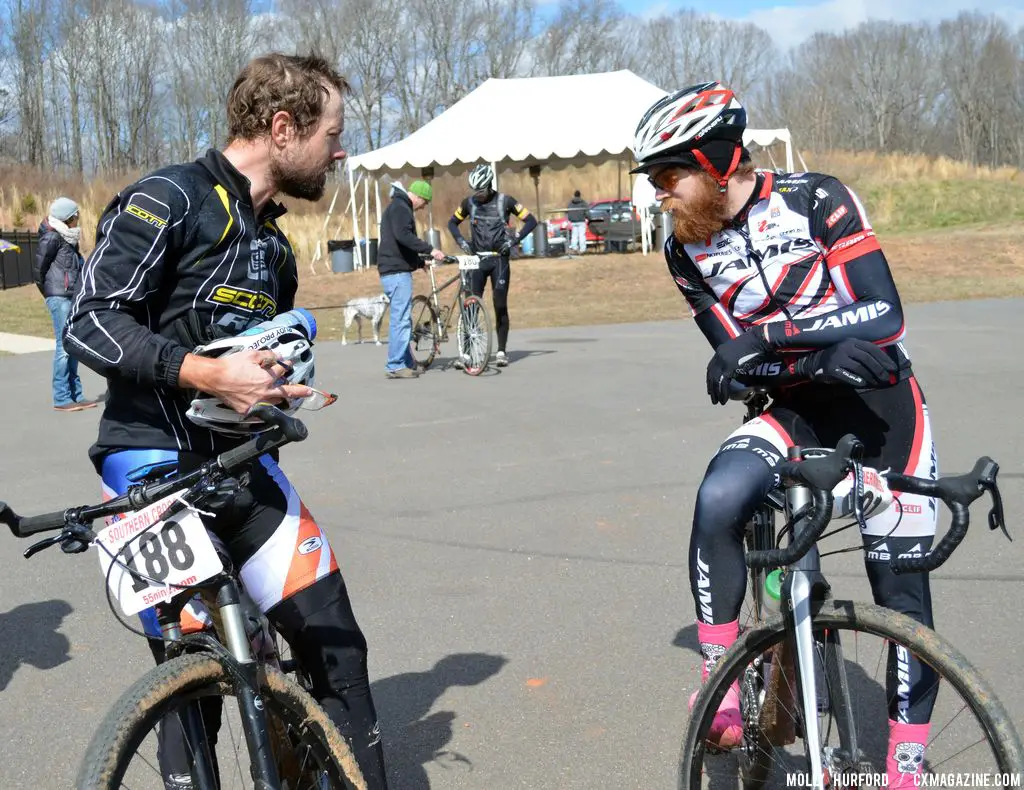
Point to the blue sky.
(791, 21)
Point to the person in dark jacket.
(57, 266)
(397, 258)
(576, 213)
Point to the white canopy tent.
(518, 124)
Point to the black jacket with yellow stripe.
(183, 238)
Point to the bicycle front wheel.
(474, 334)
(970, 731)
(426, 340)
(135, 745)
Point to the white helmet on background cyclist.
(698, 127)
(481, 177)
(290, 336)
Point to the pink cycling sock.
(905, 758)
(714, 641)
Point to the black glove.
(733, 357)
(465, 246)
(856, 363)
(511, 242)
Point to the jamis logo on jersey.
(860, 315)
(835, 216)
(259, 303)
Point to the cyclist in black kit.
(786, 280)
(489, 212)
(183, 256)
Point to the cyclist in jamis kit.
(183, 256)
(786, 280)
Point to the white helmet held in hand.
(481, 177)
(290, 336)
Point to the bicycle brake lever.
(35, 548)
(987, 482)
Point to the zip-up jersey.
(801, 258)
(183, 238)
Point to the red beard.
(697, 219)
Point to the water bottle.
(772, 593)
(299, 318)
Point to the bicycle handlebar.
(822, 474)
(285, 429)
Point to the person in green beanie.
(397, 258)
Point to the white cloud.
(789, 25)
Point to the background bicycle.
(813, 685)
(170, 728)
(431, 319)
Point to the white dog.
(368, 307)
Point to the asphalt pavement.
(515, 547)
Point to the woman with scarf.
(57, 267)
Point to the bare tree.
(123, 42)
(415, 76)
(800, 94)
(212, 41)
(582, 39)
(367, 63)
(505, 32)
(68, 51)
(29, 35)
(315, 26)
(963, 44)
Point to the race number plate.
(176, 551)
(469, 262)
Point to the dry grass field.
(936, 219)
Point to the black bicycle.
(158, 556)
(812, 679)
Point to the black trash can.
(342, 255)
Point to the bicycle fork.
(803, 585)
(244, 675)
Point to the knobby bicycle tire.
(425, 342)
(138, 710)
(473, 306)
(951, 665)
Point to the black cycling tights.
(497, 269)
(321, 628)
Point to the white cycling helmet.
(290, 337)
(699, 126)
(481, 177)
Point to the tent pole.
(355, 210)
(365, 263)
(323, 230)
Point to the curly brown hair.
(296, 84)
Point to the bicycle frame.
(444, 318)
(803, 584)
